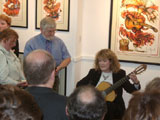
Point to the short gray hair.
(48, 22)
(38, 66)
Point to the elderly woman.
(5, 22)
(10, 67)
(107, 72)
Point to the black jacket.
(51, 104)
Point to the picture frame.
(58, 9)
(17, 10)
(134, 31)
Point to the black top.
(51, 104)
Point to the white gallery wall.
(89, 32)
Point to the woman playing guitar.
(107, 68)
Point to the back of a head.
(47, 22)
(38, 67)
(86, 103)
(154, 84)
(144, 106)
(17, 104)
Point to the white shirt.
(10, 68)
(107, 77)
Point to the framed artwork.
(135, 30)
(57, 9)
(17, 10)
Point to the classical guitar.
(108, 90)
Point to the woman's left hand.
(134, 78)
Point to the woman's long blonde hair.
(111, 56)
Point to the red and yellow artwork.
(137, 27)
(11, 7)
(52, 8)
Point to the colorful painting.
(135, 30)
(52, 8)
(11, 7)
(57, 9)
(17, 10)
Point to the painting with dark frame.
(17, 10)
(135, 30)
(57, 9)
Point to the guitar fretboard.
(116, 85)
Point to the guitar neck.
(138, 70)
(116, 85)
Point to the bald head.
(38, 57)
(87, 96)
(86, 102)
(38, 66)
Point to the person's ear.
(53, 74)
(8, 26)
(103, 117)
(67, 111)
(41, 29)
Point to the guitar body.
(103, 86)
(136, 23)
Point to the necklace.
(105, 77)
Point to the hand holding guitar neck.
(134, 78)
(138, 70)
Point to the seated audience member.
(154, 84)
(39, 69)
(107, 72)
(5, 22)
(86, 103)
(17, 104)
(144, 106)
(10, 66)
